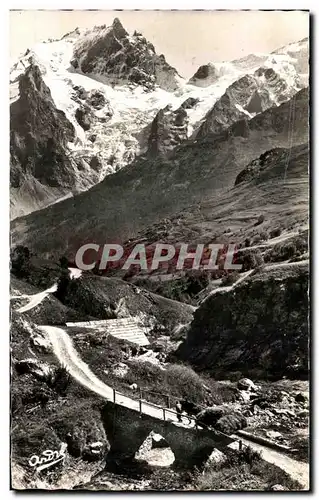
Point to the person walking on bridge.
(179, 411)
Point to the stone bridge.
(127, 429)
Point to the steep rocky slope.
(146, 191)
(38, 141)
(260, 328)
(246, 97)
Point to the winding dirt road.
(37, 298)
(67, 355)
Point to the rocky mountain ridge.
(112, 54)
(194, 172)
(117, 116)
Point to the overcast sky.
(188, 39)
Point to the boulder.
(87, 439)
(278, 487)
(83, 116)
(246, 384)
(301, 397)
(274, 434)
(210, 416)
(41, 370)
(244, 396)
(120, 370)
(216, 457)
(231, 423)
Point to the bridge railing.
(168, 410)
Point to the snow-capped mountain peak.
(110, 85)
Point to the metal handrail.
(140, 400)
(170, 410)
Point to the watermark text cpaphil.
(158, 256)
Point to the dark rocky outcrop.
(39, 135)
(84, 117)
(189, 103)
(230, 107)
(260, 328)
(271, 164)
(168, 129)
(205, 76)
(87, 438)
(273, 82)
(113, 54)
(97, 100)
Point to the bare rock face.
(120, 58)
(259, 329)
(39, 135)
(230, 108)
(205, 76)
(245, 98)
(168, 130)
(274, 84)
(299, 52)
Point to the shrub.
(260, 220)
(221, 393)
(228, 424)
(178, 381)
(286, 250)
(210, 416)
(60, 380)
(185, 382)
(230, 278)
(145, 374)
(250, 259)
(273, 474)
(31, 438)
(20, 261)
(275, 232)
(245, 456)
(63, 284)
(244, 470)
